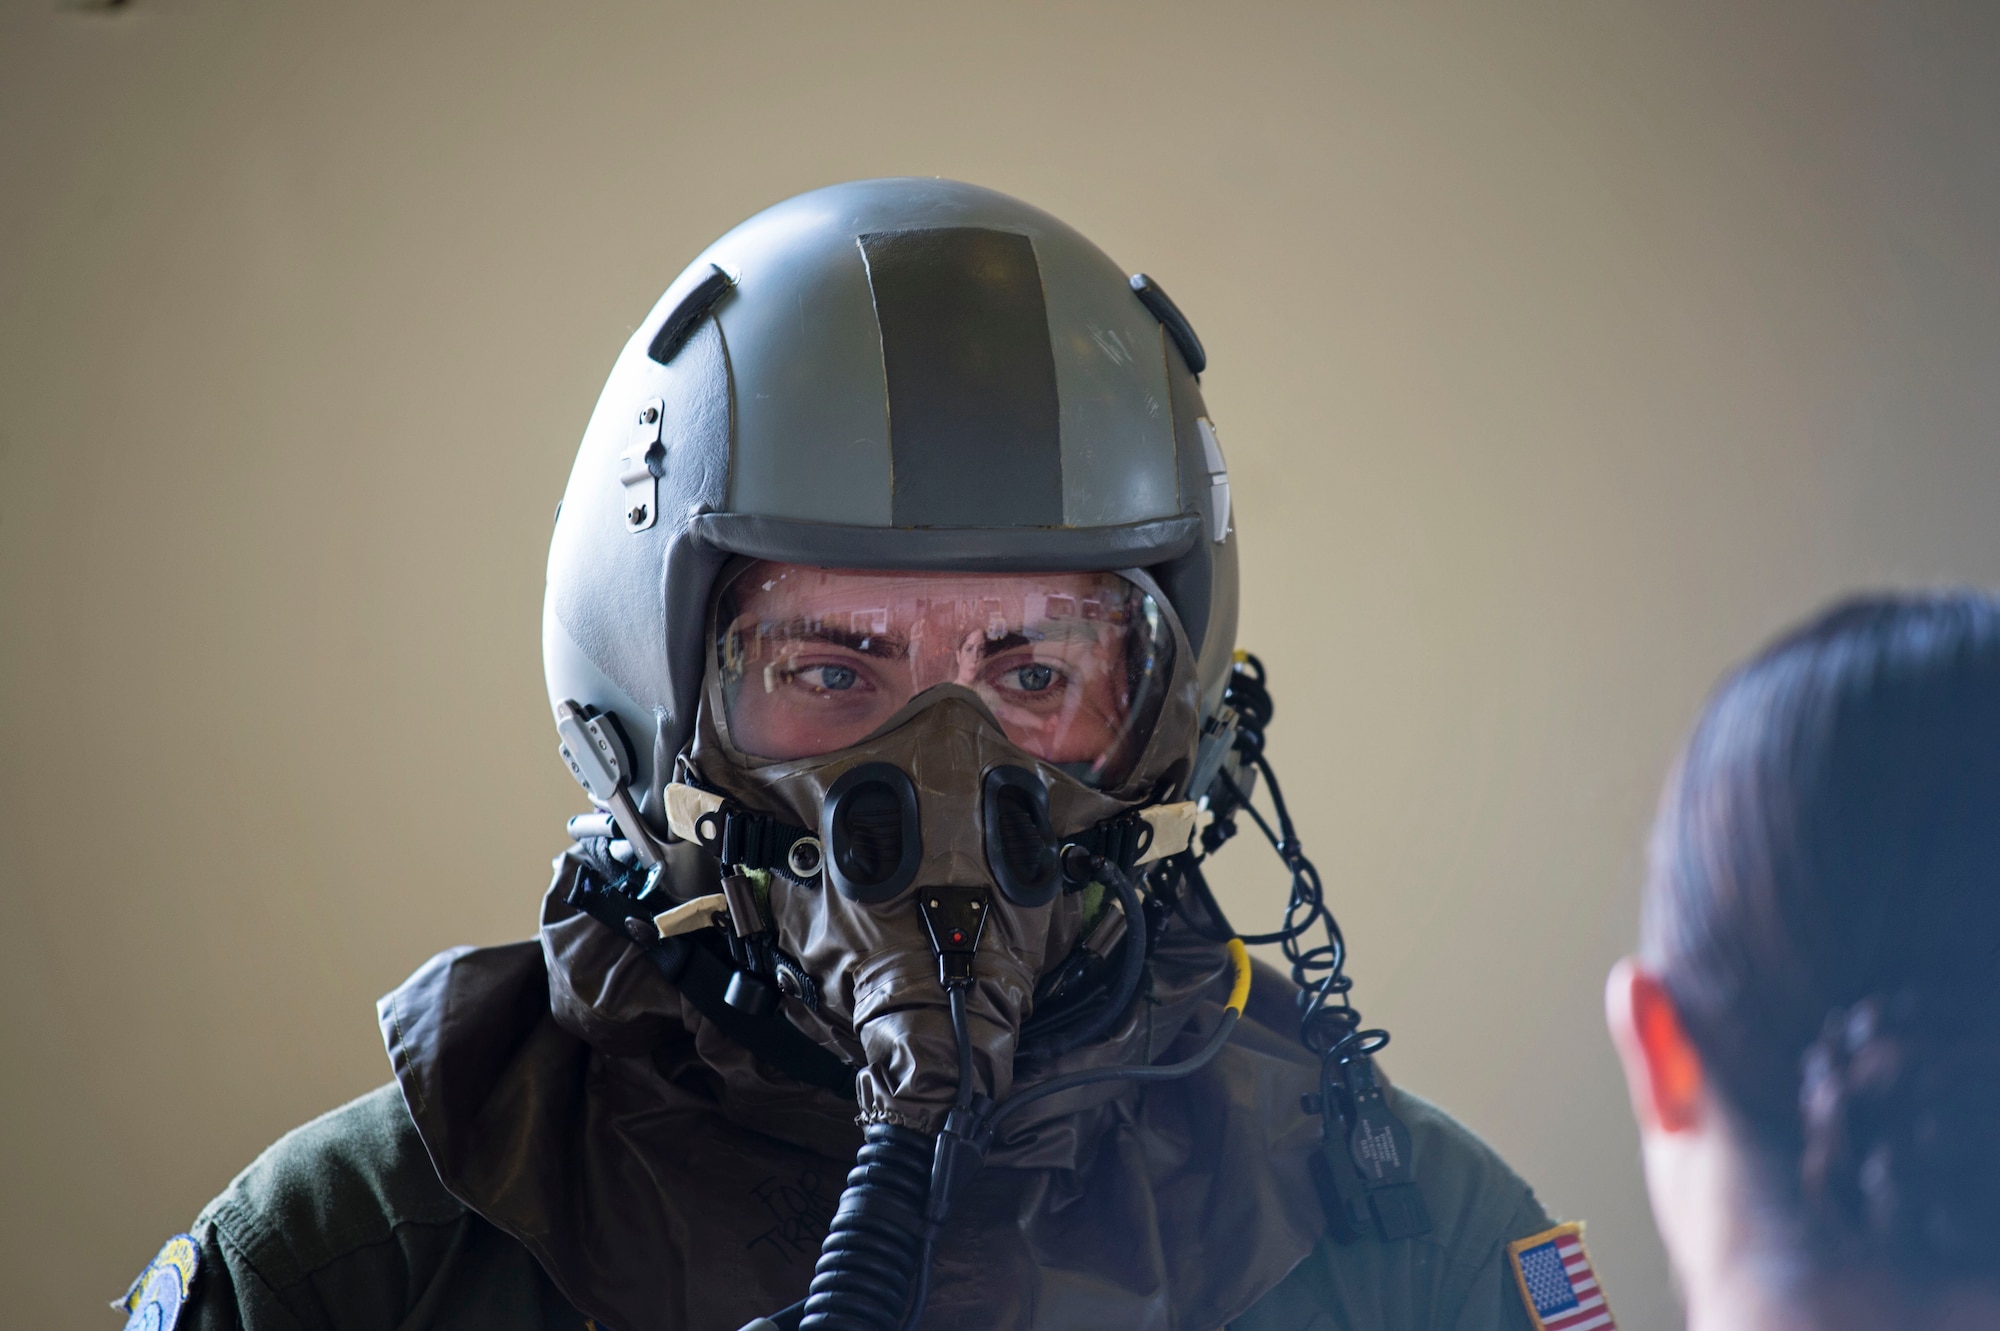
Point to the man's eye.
(833, 678)
(1033, 678)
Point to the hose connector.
(954, 917)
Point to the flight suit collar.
(665, 1178)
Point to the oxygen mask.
(908, 759)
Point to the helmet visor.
(813, 660)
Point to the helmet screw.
(637, 515)
(650, 414)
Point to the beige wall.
(1561, 351)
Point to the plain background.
(1562, 352)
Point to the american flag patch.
(1557, 1282)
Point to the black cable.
(922, 1293)
(1144, 1072)
(1329, 1023)
(1307, 894)
(1211, 923)
(1092, 1023)
(961, 1029)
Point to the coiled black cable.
(1329, 1023)
(869, 1261)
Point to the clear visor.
(1072, 665)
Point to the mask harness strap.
(699, 965)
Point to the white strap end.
(690, 915)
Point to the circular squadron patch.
(155, 1300)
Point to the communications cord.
(1329, 1023)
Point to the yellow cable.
(1239, 993)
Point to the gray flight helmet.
(885, 374)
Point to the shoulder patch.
(155, 1299)
(1558, 1283)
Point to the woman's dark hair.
(1824, 910)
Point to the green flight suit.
(568, 1140)
(344, 1224)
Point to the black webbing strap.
(756, 841)
(1122, 840)
(692, 964)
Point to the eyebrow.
(1056, 630)
(883, 645)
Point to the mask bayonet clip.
(954, 917)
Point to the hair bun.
(1848, 1097)
(1898, 1127)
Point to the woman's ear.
(1662, 1070)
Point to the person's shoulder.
(1473, 1195)
(348, 1179)
(344, 1223)
(1453, 1276)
